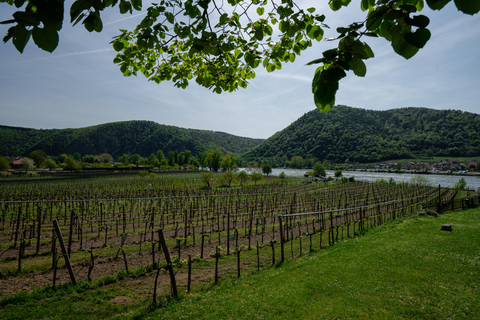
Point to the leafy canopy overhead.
(220, 43)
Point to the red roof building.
(16, 163)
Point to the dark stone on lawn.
(446, 227)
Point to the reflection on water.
(473, 182)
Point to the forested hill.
(117, 138)
(359, 135)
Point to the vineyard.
(56, 231)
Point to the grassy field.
(408, 268)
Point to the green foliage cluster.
(118, 138)
(461, 184)
(352, 135)
(218, 45)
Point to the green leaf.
(324, 107)
(335, 5)
(321, 60)
(76, 9)
(259, 34)
(284, 26)
(20, 37)
(437, 4)
(19, 3)
(311, 10)
(46, 39)
(260, 10)
(329, 54)
(420, 21)
(401, 46)
(137, 4)
(418, 38)
(118, 46)
(468, 6)
(358, 67)
(364, 5)
(93, 22)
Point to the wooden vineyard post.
(21, 252)
(282, 249)
(310, 242)
(238, 262)
(70, 234)
(54, 249)
(228, 232)
(91, 265)
(217, 255)
(300, 238)
(201, 247)
(64, 251)
(189, 281)
(258, 258)
(169, 262)
(439, 200)
(331, 230)
(39, 228)
(273, 251)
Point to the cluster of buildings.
(446, 165)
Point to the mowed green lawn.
(403, 269)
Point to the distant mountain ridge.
(346, 134)
(117, 138)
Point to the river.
(473, 182)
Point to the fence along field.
(111, 224)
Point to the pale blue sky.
(78, 85)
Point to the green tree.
(243, 176)
(319, 170)
(256, 176)
(172, 158)
(71, 164)
(219, 46)
(296, 162)
(207, 178)
(477, 167)
(228, 161)
(153, 160)
(282, 176)
(202, 159)
(213, 159)
(4, 164)
(106, 158)
(187, 156)
(77, 156)
(420, 181)
(38, 157)
(461, 184)
(135, 159)
(338, 174)
(27, 164)
(399, 167)
(50, 164)
(160, 156)
(61, 158)
(266, 169)
(124, 159)
(228, 177)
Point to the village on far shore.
(443, 167)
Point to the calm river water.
(473, 182)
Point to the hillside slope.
(117, 138)
(358, 135)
